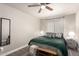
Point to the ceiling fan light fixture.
(42, 7)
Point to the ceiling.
(60, 9)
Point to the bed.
(51, 41)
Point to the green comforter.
(53, 42)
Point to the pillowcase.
(54, 35)
(59, 35)
(48, 34)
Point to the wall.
(69, 24)
(77, 25)
(23, 27)
(43, 26)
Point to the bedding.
(52, 42)
(73, 49)
(72, 44)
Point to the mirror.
(5, 31)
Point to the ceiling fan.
(42, 6)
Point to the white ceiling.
(60, 9)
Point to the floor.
(25, 52)
(22, 52)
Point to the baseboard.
(5, 54)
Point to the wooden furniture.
(45, 52)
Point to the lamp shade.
(71, 34)
(42, 33)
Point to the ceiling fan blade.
(49, 8)
(44, 3)
(47, 3)
(39, 10)
(33, 5)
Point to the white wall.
(77, 25)
(23, 27)
(69, 24)
(43, 26)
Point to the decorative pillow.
(54, 35)
(59, 35)
(48, 34)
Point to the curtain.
(55, 25)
